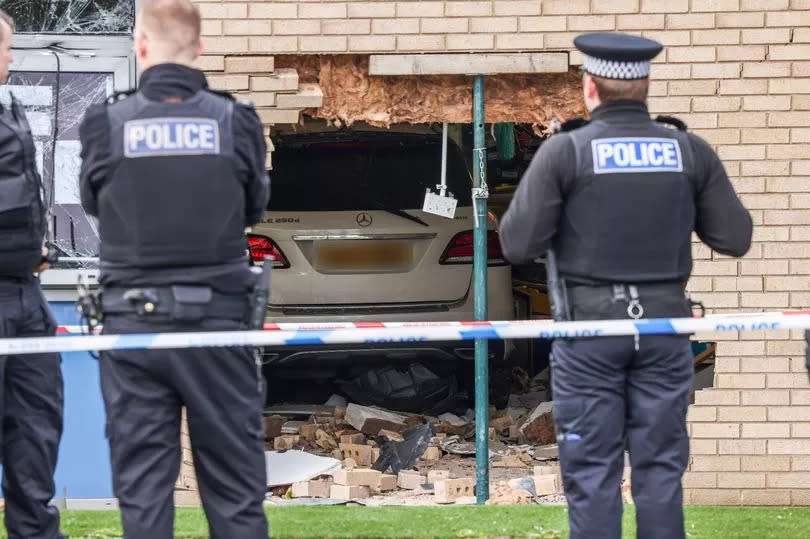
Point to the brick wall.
(738, 72)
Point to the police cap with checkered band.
(617, 56)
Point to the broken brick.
(449, 490)
(311, 489)
(372, 420)
(325, 440)
(362, 454)
(386, 483)
(546, 485)
(547, 469)
(358, 477)
(358, 438)
(432, 453)
(434, 476)
(272, 426)
(344, 492)
(308, 431)
(539, 427)
(287, 441)
(410, 480)
(391, 435)
(502, 424)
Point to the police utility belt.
(176, 303)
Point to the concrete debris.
(547, 485)
(434, 476)
(512, 461)
(343, 492)
(410, 480)
(539, 427)
(547, 452)
(372, 420)
(386, 483)
(523, 483)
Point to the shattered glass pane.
(74, 232)
(71, 16)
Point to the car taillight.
(261, 247)
(460, 250)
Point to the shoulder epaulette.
(118, 96)
(574, 123)
(671, 120)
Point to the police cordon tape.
(439, 331)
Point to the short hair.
(6, 18)
(614, 89)
(174, 23)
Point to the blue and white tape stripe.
(531, 329)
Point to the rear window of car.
(360, 175)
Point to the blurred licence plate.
(382, 255)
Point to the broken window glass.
(71, 16)
(74, 233)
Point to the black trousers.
(608, 394)
(223, 392)
(32, 403)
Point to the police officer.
(175, 173)
(31, 385)
(618, 199)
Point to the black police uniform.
(31, 397)
(175, 172)
(617, 200)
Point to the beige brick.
(798, 463)
(715, 497)
(787, 18)
(494, 24)
(715, 267)
(701, 413)
(669, 104)
(372, 43)
(717, 397)
(565, 7)
(768, 463)
(788, 447)
(726, 104)
(715, 5)
(274, 44)
(470, 41)
(763, 267)
(343, 492)
(763, 5)
(395, 26)
(717, 301)
(517, 7)
(743, 119)
(420, 9)
(741, 413)
(767, 365)
(210, 63)
(693, 54)
(445, 25)
(700, 120)
(766, 497)
(615, 6)
(282, 80)
(720, 463)
(591, 23)
(323, 43)
(800, 35)
(523, 41)
(542, 24)
(801, 102)
(715, 37)
(798, 397)
(671, 71)
(765, 201)
(731, 53)
(211, 28)
(691, 20)
(740, 480)
(410, 480)
(715, 430)
(420, 43)
(766, 102)
(788, 480)
(664, 6)
(745, 87)
(322, 10)
(360, 10)
(640, 22)
(754, 299)
(468, 8)
(669, 38)
(727, 364)
(215, 45)
(800, 168)
(703, 447)
(789, 52)
(766, 70)
(799, 498)
(742, 447)
(729, 70)
(272, 10)
(297, 27)
(789, 413)
(760, 136)
(346, 27)
(249, 64)
(740, 20)
(787, 381)
(692, 87)
(448, 490)
(700, 480)
(765, 430)
(229, 82)
(742, 381)
(310, 489)
(277, 116)
(800, 430)
(223, 11)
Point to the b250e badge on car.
(364, 219)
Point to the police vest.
(630, 212)
(173, 197)
(23, 221)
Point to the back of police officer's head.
(6, 36)
(598, 90)
(167, 31)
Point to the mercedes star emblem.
(364, 219)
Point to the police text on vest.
(617, 155)
(171, 136)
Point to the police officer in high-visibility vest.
(31, 396)
(617, 199)
(175, 173)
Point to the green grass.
(501, 521)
